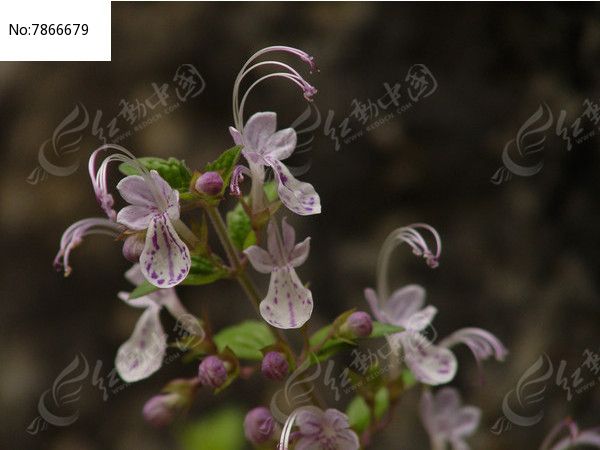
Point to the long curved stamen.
(308, 90)
(73, 236)
(99, 176)
(411, 236)
(284, 442)
(567, 423)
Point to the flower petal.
(482, 343)
(289, 235)
(404, 303)
(236, 135)
(136, 217)
(300, 253)
(142, 355)
(190, 323)
(288, 303)
(134, 275)
(165, 260)
(466, 421)
(429, 364)
(259, 258)
(281, 145)
(298, 196)
(135, 190)
(421, 319)
(258, 129)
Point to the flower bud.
(259, 425)
(160, 410)
(209, 183)
(212, 372)
(133, 247)
(274, 366)
(359, 324)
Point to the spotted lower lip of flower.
(154, 206)
(266, 147)
(288, 303)
(319, 430)
(73, 236)
(446, 420)
(143, 353)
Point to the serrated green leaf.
(204, 271)
(172, 170)
(222, 430)
(225, 163)
(245, 339)
(359, 414)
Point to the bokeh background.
(520, 259)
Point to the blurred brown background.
(520, 259)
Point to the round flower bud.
(212, 372)
(274, 366)
(259, 426)
(133, 247)
(209, 183)
(359, 324)
(160, 410)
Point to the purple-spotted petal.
(136, 217)
(259, 258)
(165, 261)
(281, 145)
(482, 343)
(143, 353)
(288, 303)
(297, 196)
(429, 364)
(258, 129)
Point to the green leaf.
(245, 339)
(204, 271)
(382, 402)
(225, 163)
(383, 329)
(143, 289)
(174, 171)
(239, 227)
(408, 379)
(359, 414)
(222, 430)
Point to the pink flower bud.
(160, 410)
(212, 372)
(133, 247)
(209, 183)
(359, 324)
(274, 366)
(259, 425)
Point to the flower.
(430, 364)
(259, 425)
(288, 303)
(154, 206)
(142, 354)
(263, 146)
(319, 430)
(274, 366)
(212, 372)
(446, 421)
(577, 437)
